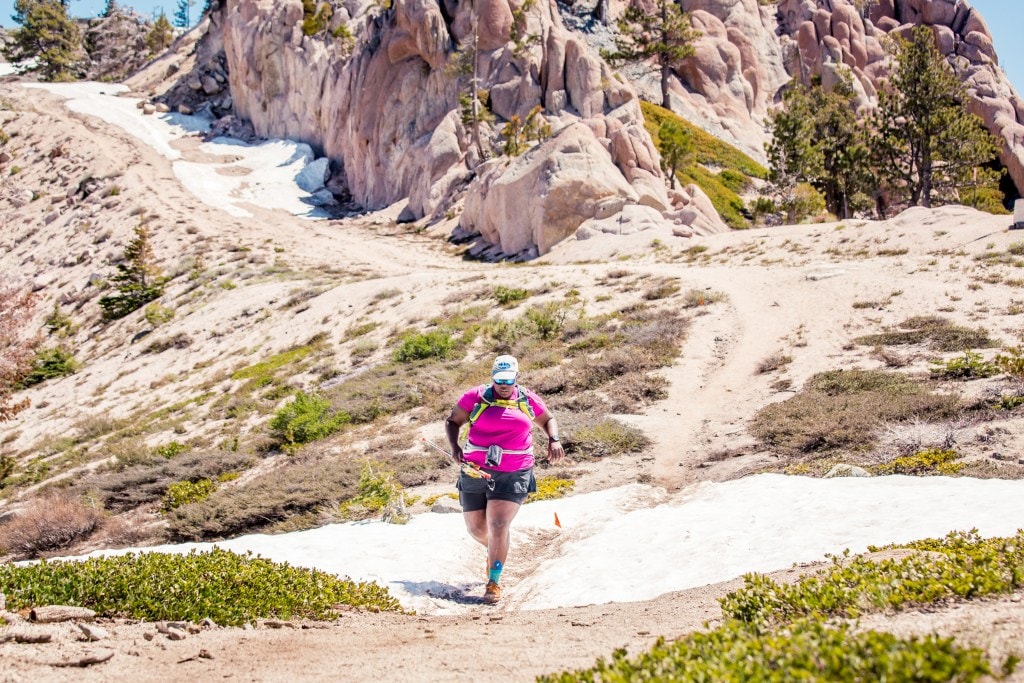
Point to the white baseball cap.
(505, 368)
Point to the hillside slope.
(272, 284)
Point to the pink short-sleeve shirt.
(508, 427)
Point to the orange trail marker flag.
(557, 523)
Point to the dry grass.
(50, 523)
(773, 363)
(936, 332)
(842, 411)
(147, 480)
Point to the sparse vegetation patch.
(842, 410)
(936, 332)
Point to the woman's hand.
(457, 454)
(556, 453)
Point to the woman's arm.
(547, 422)
(456, 419)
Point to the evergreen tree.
(183, 15)
(816, 139)
(463, 65)
(111, 8)
(676, 149)
(664, 35)
(48, 36)
(160, 36)
(925, 141)
(139, 279)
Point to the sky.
(1004, 19)
(624, 544)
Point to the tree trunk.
(665, 71)
(926, 181)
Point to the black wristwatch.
(552, 439)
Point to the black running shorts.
(514, 486)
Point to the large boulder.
(543, 196)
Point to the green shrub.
(967, 566)
(507, 296)
(185, 492)
(929, 461)
(157, 315)
(548, 319)
(421, 346)
(229, 588)
(969, 366)
(170, 450)
(59, 323)
(50, 363)
(804, 651)
(307, 418)
(315, 16)
(378, 491)
(734, 180)
(551, 488)
(262, 372)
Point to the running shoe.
(492, 593)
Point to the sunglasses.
(505, 382)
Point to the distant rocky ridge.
(116, 45)
(386, 109)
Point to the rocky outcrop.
(385, 108)
(737, 69)
(821, 37)
(116, 45)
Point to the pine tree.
(183, 16)
(464, 65)
(676, 148)
(664, 35)
(17, 349)
(111, 8)
(48, 36)
(139, 279)
(817, 139)
(925, 141)
(160, 36)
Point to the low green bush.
(804, 651)
(50, 363)
(508, 296)
(962, 565)
(968, 366)
(229, 588)
(185, 492)
(378, 491)
(306, 418)
(551, 488)
(929, 461)
(786, 632)
(424, 345)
